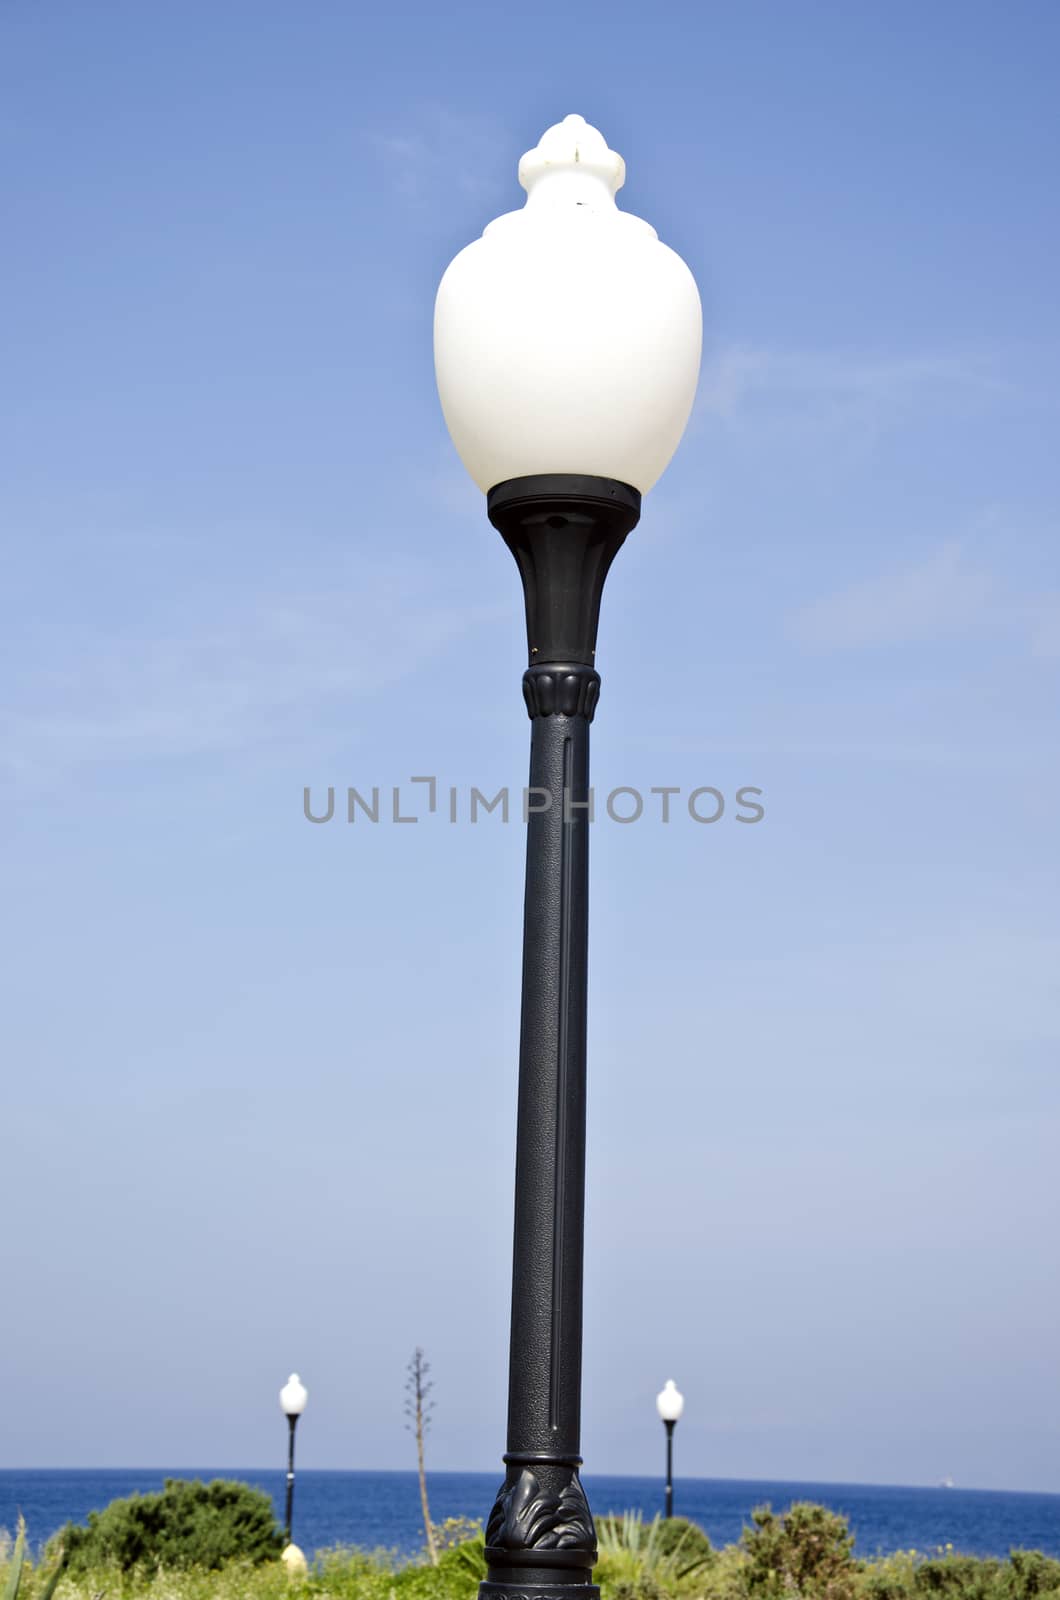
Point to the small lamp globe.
(293, 1396)
(670, 1401)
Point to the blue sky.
(259, 1078)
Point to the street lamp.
(670, 1402)
(567, 343)
(293, 1397)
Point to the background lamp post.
(670, 1402)
(293, 1397)
(567, 343)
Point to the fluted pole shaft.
(564, 533)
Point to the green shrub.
(685, 1541)
(188, 1524)
(947, 1575)
(649, 1560)
(969, 1577)
(807, 1550)
(458, 1533)
(1031, 1574)
(465, 1557)
(890, 1577)
(457, 1576)
(662, 1541)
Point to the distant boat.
(946, 1483)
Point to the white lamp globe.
(293, 1396)
(567, 339)
(670, 1401)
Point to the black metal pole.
(292, 1423)
(564, 532)
(669, 1468)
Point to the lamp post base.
(294, 1560)
(541, 1528)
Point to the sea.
(381, 1510)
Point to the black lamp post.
(567, 346)
(293, 1397)
(670, 1403)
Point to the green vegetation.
(807, 1550)
(187, 1524)
(17, 1567)
(803, 1553)
(649, 1560)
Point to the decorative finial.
(572, 149)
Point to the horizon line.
(635, 1477)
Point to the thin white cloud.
(813, 747)
(739, 380)
(262, 669)
(943, 596)
(830, 411)
(1044, 621)
(447, 151)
